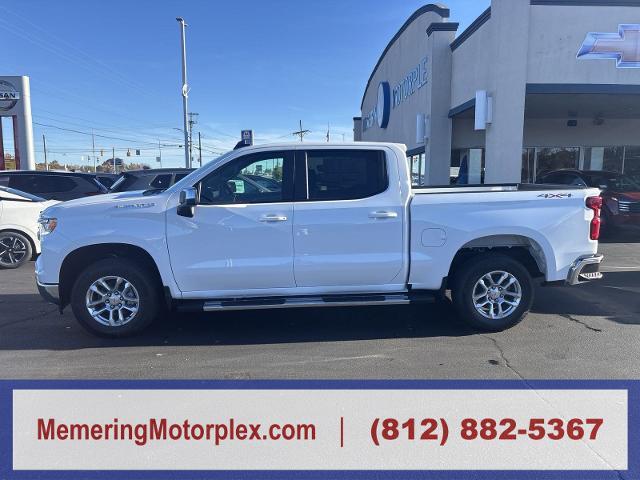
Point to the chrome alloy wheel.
(496, 295)
(112, 301)
(12, 250)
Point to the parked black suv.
(150, 179)
(60, 186)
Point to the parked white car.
(19, 212)
(316, 225)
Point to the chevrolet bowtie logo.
(623, 46)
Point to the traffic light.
(128, 152)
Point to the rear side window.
(38, 184)
(180, 176)
(345, 174)
(161, 181)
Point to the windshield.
(13, 191)
(618, 183)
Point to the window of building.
(632, 160)
(604, 158)
(528, 165)
(417, 165)
(345, 174)
(555, 158)
(467, 166)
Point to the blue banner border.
(6, 422)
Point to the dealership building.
(530, 86)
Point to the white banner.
(320, 429)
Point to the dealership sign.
(622, 46)
(414, 80)
(9, 96)
(388, 99)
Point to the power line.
(97, 135)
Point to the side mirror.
(189, 197)
(188, 200)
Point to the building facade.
(15, 108)
(530, 86)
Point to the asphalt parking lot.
(585, 332)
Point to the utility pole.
(185, 92)
(199, 149)
(113, 155)
(328, 134)
(93, 146)
(160, 152)
(44, 144)
(192, 122)
(301, 133)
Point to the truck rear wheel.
(115, 298)
(492, 292)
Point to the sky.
(114, 68)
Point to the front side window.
(257, 178)
(345, 174)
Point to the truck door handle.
(273, 218)
(383, 214)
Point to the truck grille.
(628, 207)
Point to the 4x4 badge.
(554, 195)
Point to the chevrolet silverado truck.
(314, 225)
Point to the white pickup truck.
(308, 225)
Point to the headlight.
(46, 225)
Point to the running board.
(356, 300)
(301, 302)
(304, 302)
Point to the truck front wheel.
(114, 298)
(492, 292)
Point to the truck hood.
(122, 200)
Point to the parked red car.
(620, 193)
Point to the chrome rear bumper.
(585, 269)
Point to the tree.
(277, 173)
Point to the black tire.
(145, 288)
(466, 281)
(15, 250)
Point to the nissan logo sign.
(9, 96)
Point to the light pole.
(185, 91)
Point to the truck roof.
(290, 145)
